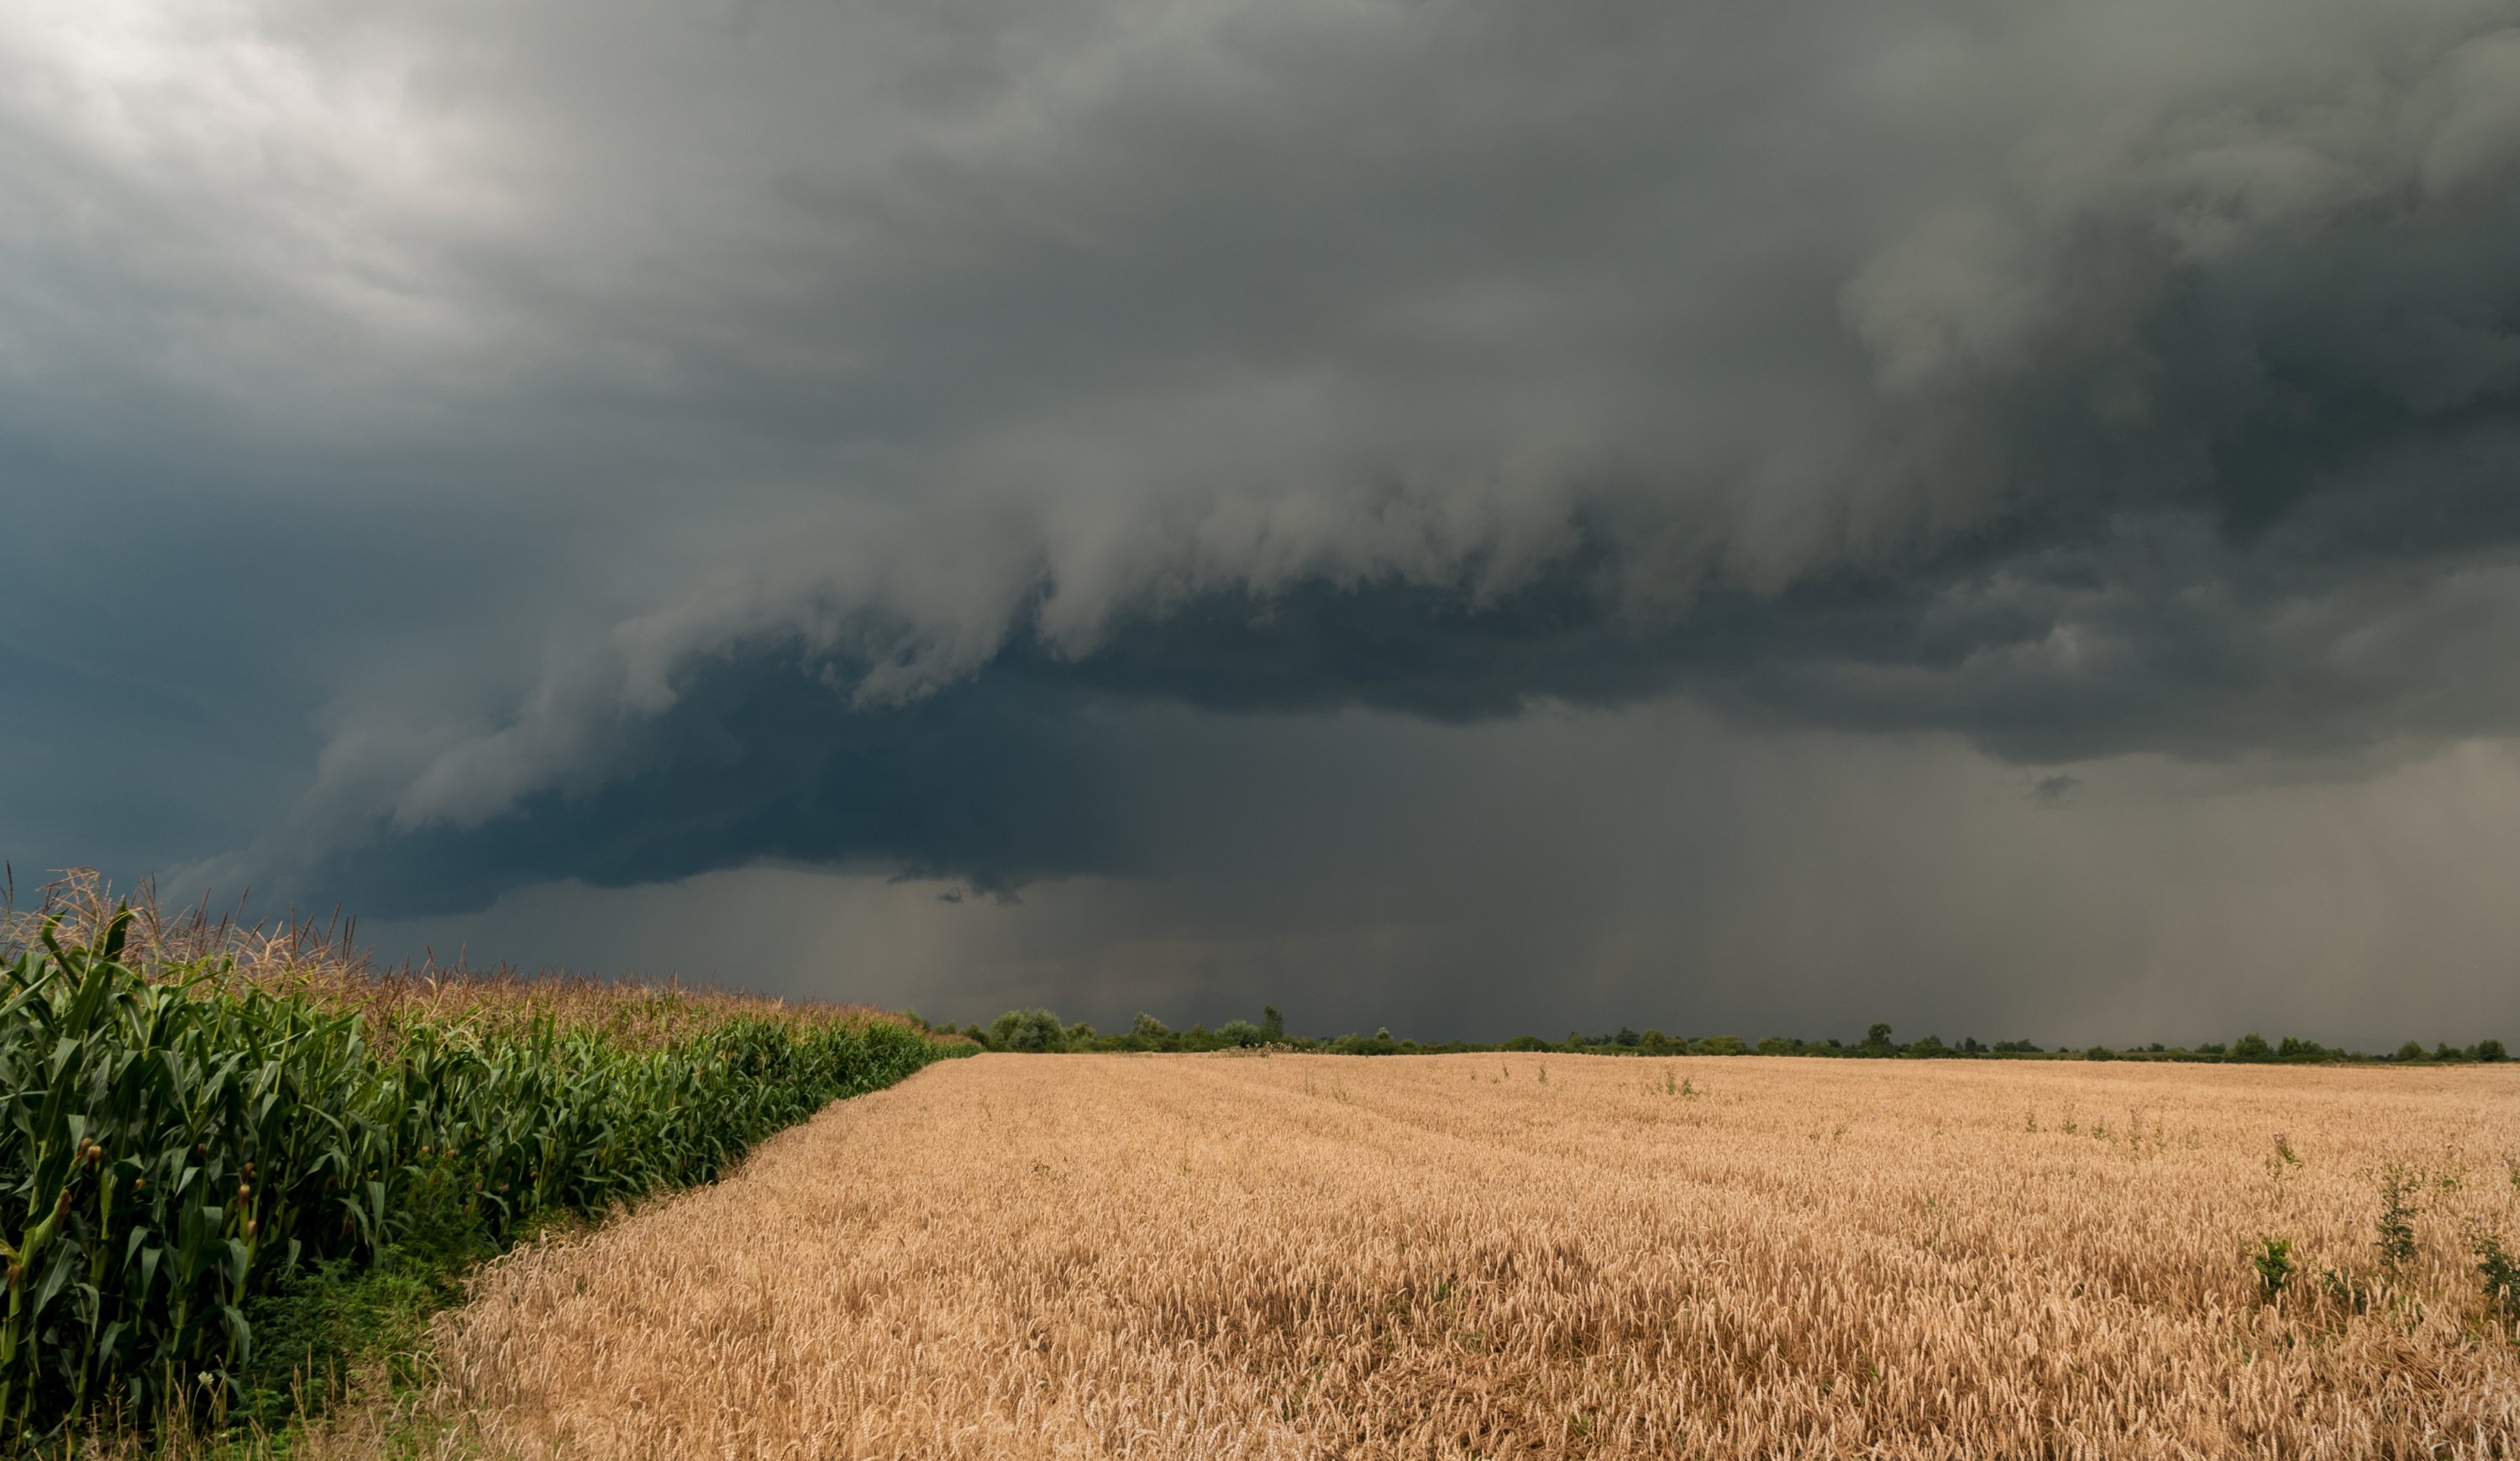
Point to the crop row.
(174, 1144)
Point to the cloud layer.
(458, 447)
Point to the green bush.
(1033, 1032)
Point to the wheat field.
(1540, 1255)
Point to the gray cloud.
(503, 446)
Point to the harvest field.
(1480, 1255)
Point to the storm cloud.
(459, 450)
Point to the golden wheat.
(1471, 1256)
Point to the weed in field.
(2273, 1260)
(2400, 1186)
(2500, 1271)
(2343, 1291)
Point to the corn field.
(178, 1138)
(1244, 1257)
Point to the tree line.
(1040, 1031)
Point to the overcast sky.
(1454, 514)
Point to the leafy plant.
(2502, 1274)
(2400, 1185)
(2272, 1258)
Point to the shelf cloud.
(457, 449)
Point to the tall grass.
(184, 1132)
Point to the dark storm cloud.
(990, 781)
(805, 432)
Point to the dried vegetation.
(321, 959)
(1478, 1256)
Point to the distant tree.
(2410, 1051)
(1273, 1026)
(1526, 1044)
(2210, 1048)
(1779, 1045)
(1146, 1032)
(1970, 1046)
(1654, 1042)
(1627, 1037)
(1877, 1037)
(1928, 1048)
(2100, 1052)
(2016, 1047)
(1032, 1032)
(1719, 1045)
(1240, 1032)
(2251, 1046)
(2298, 1049)
(2490, 1050)
(2448, 1051)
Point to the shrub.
(2100, 1052)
